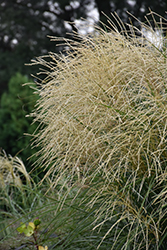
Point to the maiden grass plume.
(103, 115)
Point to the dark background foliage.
(24, 29)
(25, 25)
(16, 103)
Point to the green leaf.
(28, 231)
(21, 228)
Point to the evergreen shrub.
(15, 104)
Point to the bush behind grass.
(105, 115)
(15, 104)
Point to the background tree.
(25, 25)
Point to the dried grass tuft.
(12, 170)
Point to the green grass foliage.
(20, 201)
(103, 115)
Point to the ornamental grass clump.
(103, 114)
